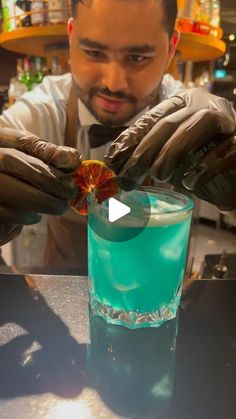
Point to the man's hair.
(170, 13)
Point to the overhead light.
(234, 91)
(232, 37)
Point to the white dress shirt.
(43, 112)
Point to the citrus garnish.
(93, 177)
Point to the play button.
(120, 218)
(116, 210)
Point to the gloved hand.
(188, 141)
(35, 178)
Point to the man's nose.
(114, 77)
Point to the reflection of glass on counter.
(133, 370)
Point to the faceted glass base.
(134, 319)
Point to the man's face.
(119, 51)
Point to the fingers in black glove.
(9, 232)
(37, 173)
(64, 158)
(214, 177)
(122, 149)
(183, 140)
(134, 152)
(27, 198)
(194, 138)
(10, 215)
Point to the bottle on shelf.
(27, 75)
(38, 75)
(37, 13)
(215, 13)
(8, 11)
(12, 91)
(3, 98)
(21, 9)
(56, 69)
(1, 19)
(16, 87)
(45, 69)
(19, 69)
(57, 11)
(203, 11)
(185, 8)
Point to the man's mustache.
(113, 95)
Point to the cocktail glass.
(136, 280)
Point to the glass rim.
(185, 199)
(187, 202)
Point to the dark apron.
(67, 235)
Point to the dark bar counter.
(57, 361)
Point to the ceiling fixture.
(231, 37)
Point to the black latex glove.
(188, 141)
(35, 178)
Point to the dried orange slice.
(93, 177)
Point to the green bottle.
(38, 75)
(27, 76)
(7, 13)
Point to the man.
(119, 51)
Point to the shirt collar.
(87, 119)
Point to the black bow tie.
(100, 134)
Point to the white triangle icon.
(117, 210)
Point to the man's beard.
(138, 105)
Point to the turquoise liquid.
(129, 280)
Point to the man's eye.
(136, 58)
(94, 54)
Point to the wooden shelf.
(194, 47)
(36, 41)
(41, 41)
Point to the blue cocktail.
(137, 282)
